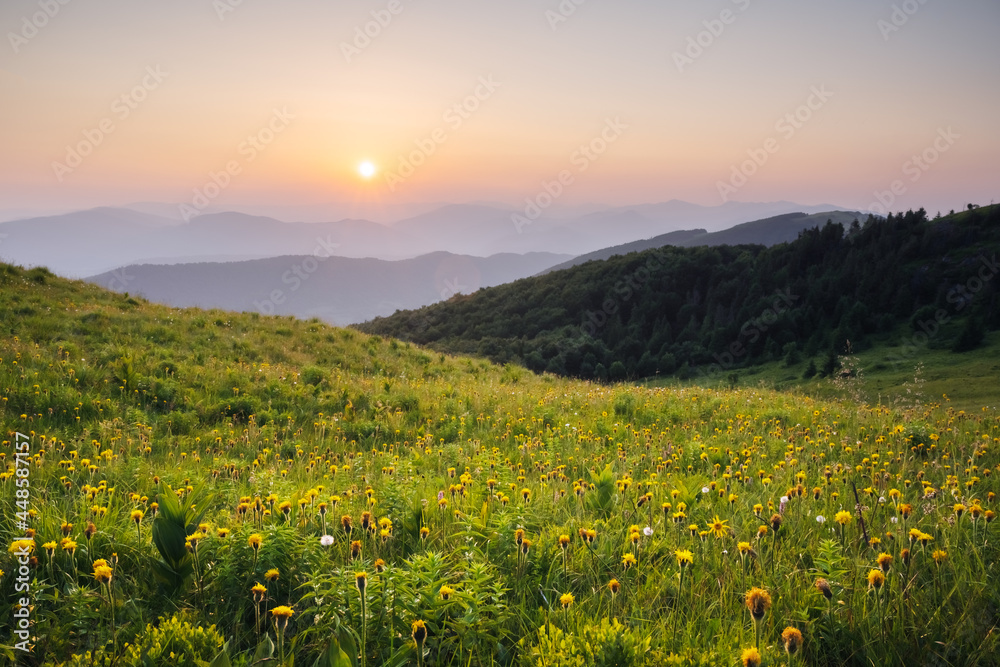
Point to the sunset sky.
(116, 101)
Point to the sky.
(857, 103)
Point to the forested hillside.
(684, 310)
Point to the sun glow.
(367, 169)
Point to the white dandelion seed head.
(820, 518)
(326, 540)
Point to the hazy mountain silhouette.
(338, 290)
(97, 240)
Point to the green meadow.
(211, 488)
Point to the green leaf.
(346, 640)
(334, 656)
(265, 651)
(221, 660)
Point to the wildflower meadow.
(207, 488)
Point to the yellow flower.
(614, 586)
(628, 560)
(750, 658)
(50, 548)
(136, 516)
(843, 517)
(563, 541)
(939, 556)
(222, 532)
(255, 541)
(758, 601)
(361, 581)
(684, 557)
(272, 574)
(884, 561)
(418, 629)
(792, 638)
(102, 573)
(18, 547)
(744, 549)
(259, 591)
(718, 527)
(446, 592)
(283, 612)
(876, 579)
(566, 599)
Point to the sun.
(367, 169)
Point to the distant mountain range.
(94, 241)
(346, 291)
(338, 290)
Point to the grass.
(450, 483)
(964, 381)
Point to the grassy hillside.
(894, 375)
(182, 468)
(684, 312)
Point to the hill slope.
(672, 310)
(157, 462)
